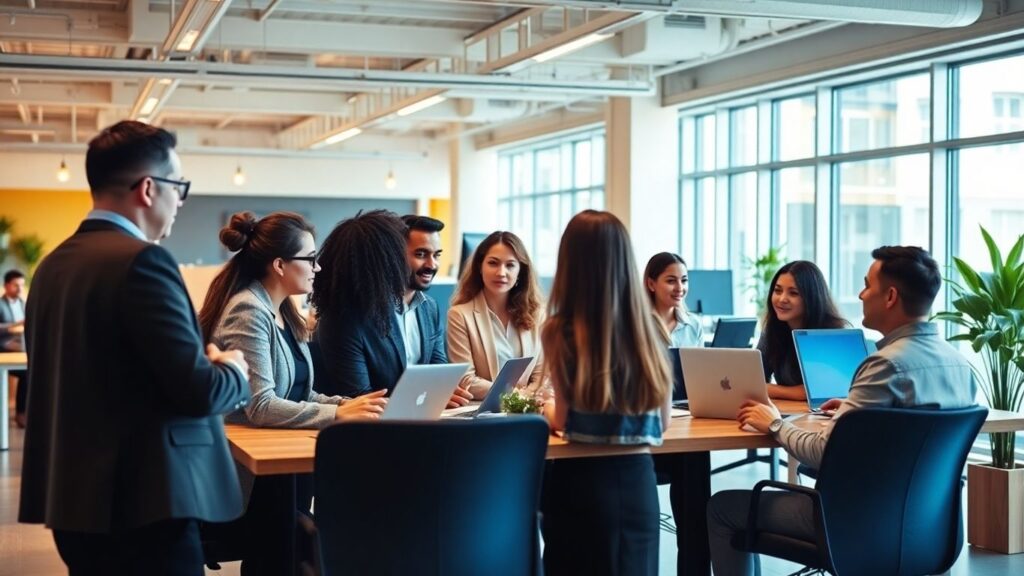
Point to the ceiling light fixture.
(149, 106)
(187, 41)
(63, 174)
(239, 177)
(572, 46)
(340, 136)
(390, 182)
(421, 105)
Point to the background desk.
(265, 451)
(8, 361)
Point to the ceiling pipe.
(81, 148)
(931, 13)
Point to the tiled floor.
(28, 550)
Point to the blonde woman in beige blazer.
(496, 314)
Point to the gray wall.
(194, 238)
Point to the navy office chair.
(887, 499)
(430, 498)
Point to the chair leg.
(807, 571)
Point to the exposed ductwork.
(933, 13)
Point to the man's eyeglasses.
(181, 186)
(313, 260)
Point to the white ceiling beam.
(305, 36)
(87, 94)
(76, 26)
(266, 12)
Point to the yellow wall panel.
(51, 215)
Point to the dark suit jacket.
(357, 359)
(124, 425)
(6, 319)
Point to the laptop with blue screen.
(828, 360)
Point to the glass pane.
(743, 136)
(504, 215)
(883, 114)
(795, 212)
(795, 128)
(583, 167)
(990, 192)
(743, 235)
(597, 199)
(881, 202)
(991, 97)
(706, 205)
(547, 175)
(522, 174)
(705, 148)
(523, 224)
(549, 230)
(599, 160)
(687, 137)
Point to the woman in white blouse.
(667, 281)
(496, 314)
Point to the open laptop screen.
(828, 360)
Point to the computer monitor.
(710, 292)
(734, 332)
(470, 240)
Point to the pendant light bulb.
(390, 182)
(239, 177)
(63, 174)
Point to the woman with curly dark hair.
(496, 314)
(356, 299)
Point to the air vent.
(685, 21)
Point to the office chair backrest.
(430, 498)
(890, 488)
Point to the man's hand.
(366, 407)
(233, 357)
(757, 415)
(460, 397)
(829, 407)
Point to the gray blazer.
(247, 325)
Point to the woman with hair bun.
(249, 308)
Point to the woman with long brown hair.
(496, 314)
(612, 385)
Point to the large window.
(542, 186)
(919, 155)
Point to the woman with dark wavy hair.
(496, 314)
(356, 299)
(799, 298)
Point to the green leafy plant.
(762, 269)
(6, 224)
(515, 403)
(990, 308)
(28, 249)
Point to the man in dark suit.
(12, 322)
(125, 447)
(373, 318)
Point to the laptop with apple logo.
(423, 391)
(719, 380)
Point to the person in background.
(914, 367)
(667, 281)
(612, 385)
(249, 307)
(496, 314)
(124, 447)
(12, 323)
(798, 299)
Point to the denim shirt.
(913, 368)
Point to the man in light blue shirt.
(914, 367)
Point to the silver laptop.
(423, 391)
(719, 380)
(511, 373)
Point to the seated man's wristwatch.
(775, 426)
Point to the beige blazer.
(471, 340)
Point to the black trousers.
(689, 477)
(600, 516)
(167, 548)
(21, 395)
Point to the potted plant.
(28, 249)
(762, 270)
(990, 310)
(5, 236)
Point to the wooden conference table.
(269, 451)
(8, 361)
